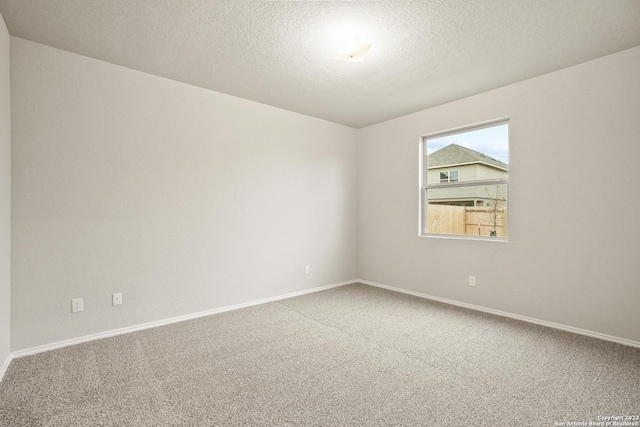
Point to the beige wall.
(186, 199)
(5, 197)
(571, 259)
(181, 198)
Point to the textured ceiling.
(281, 53)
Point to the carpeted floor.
(353, 356)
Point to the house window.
(449, 176)
(464, 181)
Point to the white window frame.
(425, 186)
(448, 172)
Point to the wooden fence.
(466, 220)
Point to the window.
(449, 176)
(464, 180)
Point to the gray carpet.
(354, 355)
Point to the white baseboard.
(5, 366)
(129, 329)
(579, 331)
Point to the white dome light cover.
(352, 50)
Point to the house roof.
(454, 154)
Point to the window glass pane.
(453, 176)
(476, 154)
(474, 210)
(444, 177)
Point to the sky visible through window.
(492, 141)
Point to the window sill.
(461, 237)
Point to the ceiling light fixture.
(353, 50)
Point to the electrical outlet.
(77, 305)
(472, 280)
(306, 269)
(117, 298)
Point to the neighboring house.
(455, 163)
